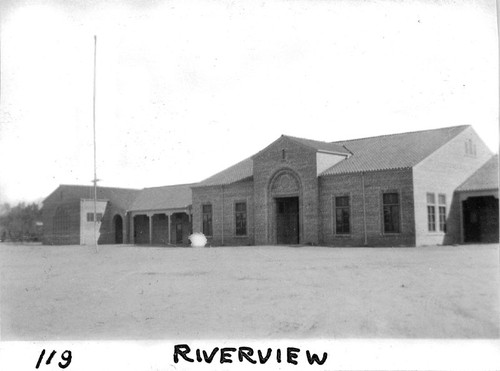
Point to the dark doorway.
(178, 233)
(141, 229)
(287, 220)
(118, 229)
(480, 219)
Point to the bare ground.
(127, 292)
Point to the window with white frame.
(240, 216)
(90, 217)
(207, 219)
(442, 212)
(431, 212)
(342, 215)
(390, 201)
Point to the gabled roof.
(485, 178)
(320, 146)
(121, 197)
(241, 171)
(162, 198)
(395, 151)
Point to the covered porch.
(162, 216)
(161, 227)
(478, 199)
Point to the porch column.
(150, 216)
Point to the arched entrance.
(118, 224)
(285, 196)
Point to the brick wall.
(52, 235)
(376, 183)
(443, 172)
(223, 213)
(299, 160)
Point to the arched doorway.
(118, 223)
(285, 194)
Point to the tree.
(20, 223)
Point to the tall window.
(442, 212)
(391, 212)
(207, 219)
(431, 212)
(240, 209)
(342, 215)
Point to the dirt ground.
(127, 292)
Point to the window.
(283, 154)
(342, 215)
(240, 209)
(391, 212)
(90, 217)
(207, 219)
(442, 212)
(470, 148)
(431, 212)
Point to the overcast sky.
(187, 88)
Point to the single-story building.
(411, 189)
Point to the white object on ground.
(198, 239)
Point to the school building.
(411, 189)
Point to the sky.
(185, 89)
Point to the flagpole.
(95, 157)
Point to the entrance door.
(178, 233)
(118, 229)
(287, 220)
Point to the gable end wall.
(441, 173)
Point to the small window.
(391, 212)
(283, 154)
(470, 148)
(207, 219)
(240, 209)
(90, 217)
(442, 199)
(342, 215)
(431, 212)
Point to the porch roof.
(163, 198)
(485, 178)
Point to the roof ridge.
(169, 185)
(91, 186)
(313, 140)
(403, 133)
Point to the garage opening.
(287, 220)
(480, 215)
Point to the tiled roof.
(485, 178)
(161, 198)
(242, 170)
(320, 146)
(396, 151)
(121, 197)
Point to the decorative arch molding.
(285, 182)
